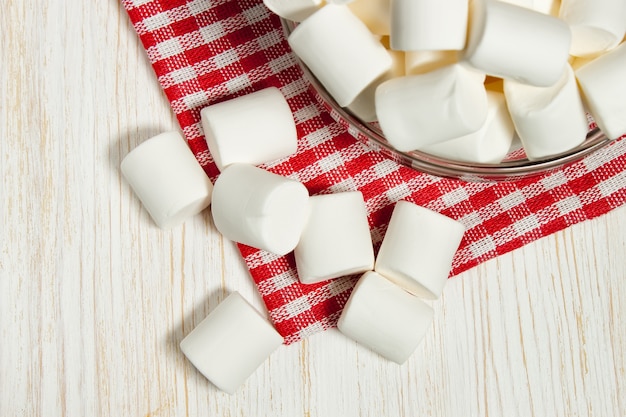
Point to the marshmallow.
(548, 120)
(603, 86)
(385, 318)
(427, 25)
(256, 128)
(516, 43)
(418, 249)
(374, 13)
(418, 110)
(597, 25)
(168, 179)
(364, 105)
(521, 3)
(488, 145)
(259, 209)
(230, 343)
(336, 240)
(340, 51)
(577, 62)
(550, 7)
(420, 62)
(295, 10)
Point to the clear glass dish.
(515, 165)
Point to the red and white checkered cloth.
(207, 51)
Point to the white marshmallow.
(603, 86)
(517, 43)
(550, 7)
(168, 179)
(374, 13)
(340, 51)
(385, 318)
(522, 3)
(488, 145)
(255, 128)
(364, 105)
(426, 25)
(231, 343)
(295, 10)
(548, 120)
(259, 208)
(418, 110)
(420, 62)
(418, 249)
(578, 62)
(336, 240)
(597, 25)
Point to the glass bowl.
(514, 166)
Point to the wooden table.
(94, 299)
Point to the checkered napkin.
(207, 51)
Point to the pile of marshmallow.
(328, 234)
(462, 79)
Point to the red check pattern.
(207, 51)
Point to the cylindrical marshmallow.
(418, 249)
(258, 208)
(168, 179)
(488, 145)
(517, 43)
(427, 25)
(550, 7)
(254, 129)
(295, 10)
(603, 86)
(336, 240)
(577, 62)
(231, 343)
(364, 105)
(522, 3)
(384, 318)
(374, 13)
(548, 120)
(418, 110)
(597, 25)
(340, 51)
(420, 62)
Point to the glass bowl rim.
(441, 167)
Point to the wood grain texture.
(94, 299)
